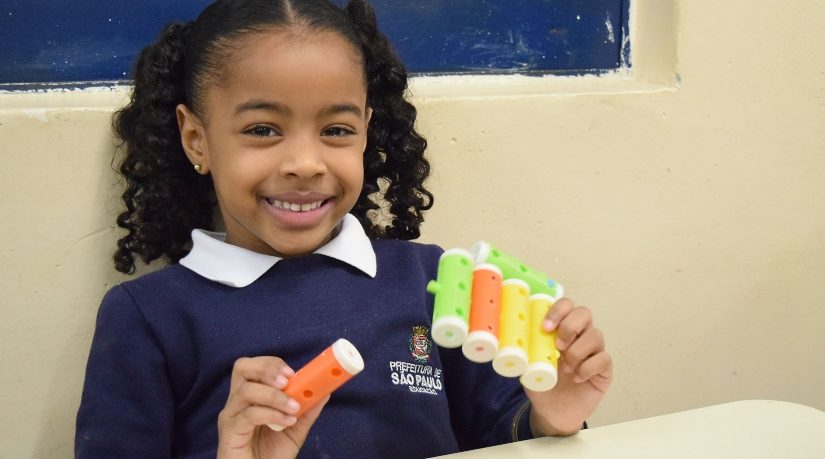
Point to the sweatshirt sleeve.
(485, 409)
(127, 408)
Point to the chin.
(296, 249)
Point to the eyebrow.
(260, 104)
(343, 108)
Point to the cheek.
(350, 166)
(356, 168)
(238, 175)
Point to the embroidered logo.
(418, 377)
(420, 344)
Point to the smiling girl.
(285, 116)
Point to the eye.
(261, 131)
(338, 131)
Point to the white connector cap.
(348, 356)
(450, 331)
(540, 377)
(481, 346)
(510, 362)
(480, 251)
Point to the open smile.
(300, 213)
(296, 207)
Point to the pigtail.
(395, 151)
(164, 197)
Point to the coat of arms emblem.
(420, 344)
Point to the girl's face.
(284, 139)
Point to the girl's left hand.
(585, 372)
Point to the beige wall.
(687, 211)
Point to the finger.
(598, 369)
(589, 343)
(313, 413)
(267, 370)
(300, 430)
(257, 394)
(574, 324)
(245, 421)
(255, 416)
(559, 311)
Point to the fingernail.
(292, 406)
(290, 420)
(548, 325)
(280, 382)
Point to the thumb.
(557, 313)
(299, 431)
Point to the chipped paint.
(611, 36)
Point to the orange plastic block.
(323, 375)
(482, 342)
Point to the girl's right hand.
(256, 399)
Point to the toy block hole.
(522, 292)
(479, 348)
(308, 393)
(459, 311)
(465, 262)
(539, 379)
(336, 372)
(490, 327)
(521, 317)
(448, 334)
(462, 286)
(492, 301)
(520, 342)
(522, 268)
(496, 253)
(509, 364)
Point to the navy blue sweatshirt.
(161, 360)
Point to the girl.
(287, 115)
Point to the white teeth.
(295, 207)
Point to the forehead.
(292, 66)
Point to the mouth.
(297, 207)
(296, 211)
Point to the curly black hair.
(165, 198)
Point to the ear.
(193, 139)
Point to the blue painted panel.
(46, 41)
(478, 36)
(85, 40)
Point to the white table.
(750, 429)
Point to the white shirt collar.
(235, 266)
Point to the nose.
(304, 160)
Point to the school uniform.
(161, 360)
